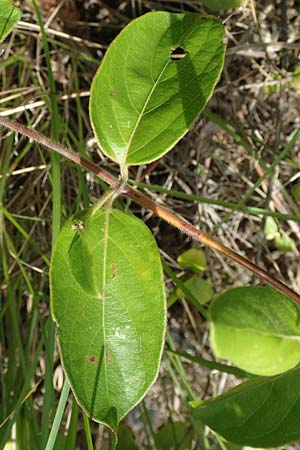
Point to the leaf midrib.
(105, 242)
(139, 117)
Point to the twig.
(159, 210)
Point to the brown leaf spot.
(112, 93)
(108, 358)
(92, 359)
(113, 268)
(101, 297)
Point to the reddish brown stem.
(159, 210)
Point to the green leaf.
(9, 16)
(193, 259)
(257, 328)
(262, 412)
(155, 79)
(107, 298)
(271, 228)
(125, 439)
(215, 5)
(174, 435)
(284, 243)
(201, 289)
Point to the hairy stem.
(159, 210)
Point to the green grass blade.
(58, 415)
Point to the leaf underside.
(107, 298)
(263, 412)
(257, 328)
(155, 79)
(9, 16)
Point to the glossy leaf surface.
(263, 412)
(155, 79)
(107, 298)
(257, 328)
(9, 16)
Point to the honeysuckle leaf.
(284, 243)
(107, 298)
(257, 328)
(155, 79)
(9, 16)
(200, 288)
(262, 412)
(193, 259)
(271, 228)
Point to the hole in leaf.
(178, 53)
(77, 225)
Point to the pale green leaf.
(222, 4)
(9, 16)
(193, 259)
(262, 412)
(143, 99)
(284, 243)
(200, 288)
(107, 298)
(257, 328)
(271, 228)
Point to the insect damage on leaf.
(178, 53)
(77, 225)
(134, 126)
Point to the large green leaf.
(257, 328)
(107, 298)
(143, 99)
(9, 16)
(262, 412)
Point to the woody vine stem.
(147, 202)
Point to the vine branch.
(157, 209)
